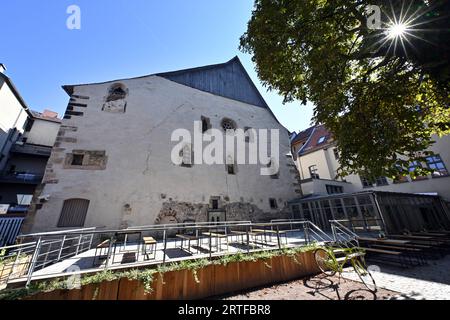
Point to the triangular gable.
(229, 80)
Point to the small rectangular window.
(366, 183)
(231, 169)
(321, 140)
(273, 203)
(313, 171)
(336, 153)
(381, 181)
(77, 159)
(331, 189)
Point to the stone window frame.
(86, 160)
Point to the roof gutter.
(16, 93)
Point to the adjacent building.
(403, 203)
(112, 167)
(26, 140)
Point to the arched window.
(116, 99)
(73, 213)
(228, 124)
(116, 92)
(187, 156)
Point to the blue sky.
(120, 39)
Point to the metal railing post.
(90, 241)
(33, 261)
(210, 244)
(78, 245)
(165, 245)
(61, 249)
(248, 238)
(278, 237)
(306, 231)
(108, 256)
(333, 231)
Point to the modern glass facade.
(375, 211)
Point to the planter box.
(181, 285)
(107, 290)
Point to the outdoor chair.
(149, 242)
(189, 236)
(103, 246)
(121, 242)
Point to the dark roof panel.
(229, 80)
(317, 137)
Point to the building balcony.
(30, 149)
(21, 178)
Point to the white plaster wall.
(42, 132)
(317, 158)
(12, 114)
(138, 147)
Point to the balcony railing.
(32, 149)
(27, 178)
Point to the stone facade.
(127, 173)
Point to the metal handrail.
(337, 226)
(52, 247)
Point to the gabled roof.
(316, 137)
(229, 80)
(303, 135)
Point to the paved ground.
(429, 282)
(315, 288)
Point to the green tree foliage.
(383, 98)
